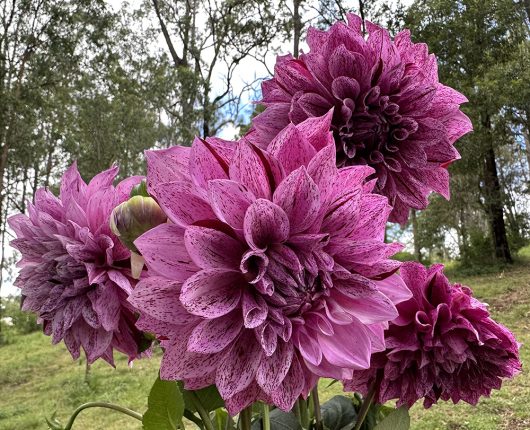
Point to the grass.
(37, 379)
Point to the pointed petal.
(214, 335)
(272, 370)
(181, 204)
(159, 298)
(265, 223)
(299, 197)
(211, 248)
(238, 367)
(292, 149)
(212, 293)
(165, 252)
(230, 200)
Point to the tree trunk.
(493, 198)
(463, 233)
(297, 27)
(526, 134)
(417, 249)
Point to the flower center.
(286, 282)
(371, 129)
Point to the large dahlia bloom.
(74, 273)
(273, 270)
(444, 344)
(387, 108)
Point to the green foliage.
(223, 421)
(15, 322)
(165, 407)
(209, 398)
(140, 190)
(279, 420)
(404, 256)
(487, 61)
(338, 413)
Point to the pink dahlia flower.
(273, 270)
(386, 106)
(74, 273)
(444, 344)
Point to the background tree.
(483, 34)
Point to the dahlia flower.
(273, 270)
(385, 104)
(444, 344)
(74, 273)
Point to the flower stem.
(190, 416)
(316, 403)
(118, 408)
(367, 402)
(304, 413)
(202, 412)
(266, 418)
(245, 417)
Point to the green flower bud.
(132, 218)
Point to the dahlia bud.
(134, 217)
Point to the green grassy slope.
(37, 378)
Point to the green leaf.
(333, 382)
(339, 413)
(279, 421)
(165, 407)
(209, 397)
(140, 190)
(223, 421)
(373, 416)
(397, 420)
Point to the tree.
(234, 32)
(482, 34)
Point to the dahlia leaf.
(209, 397)
(338, 413)
(223, 421)
(397, 420)
(165, 407)
(279, 420)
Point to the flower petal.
(211, 248)
(165, 253)
(212, 293)
(265, 223)
(299, 197)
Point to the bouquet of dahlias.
(260, 266)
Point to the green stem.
(367, 402)
(118, 408)
(316, 405)
(190, 416)
(202, 412)
(304, 413)
(245, 418)
(266, 418)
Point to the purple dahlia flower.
(444, 344)
(74, 273)
(273, 270)
(386, 106)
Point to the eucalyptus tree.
(470, 38)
